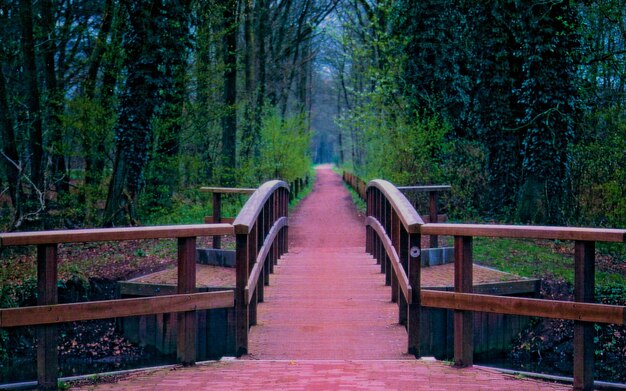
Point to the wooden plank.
(403, 280)
(587, 312)
(463, 320)
(60, 313)
(227, 190)
(250, 211)
(187, 323)
(584, 285)
(113, 234)
(527, 232)
(47, 357)
(409, 217)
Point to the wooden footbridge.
(326, 318)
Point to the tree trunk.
(32, 104)
(54, 99)
(11, 158)
(229, 120)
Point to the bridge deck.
(327, 321)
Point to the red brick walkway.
(327, 322)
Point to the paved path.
(327, 298)
(327, 322)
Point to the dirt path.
(327, 298)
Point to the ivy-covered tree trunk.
(10, 158)
(550, 99)
(137, 107)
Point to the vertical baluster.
(463, 283)
(584, 281)
(394, 234)
(47, 358)
(187, 323)
(241, 302)
(433, 197)
(414, 272)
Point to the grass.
(530, 258)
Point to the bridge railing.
(583, 311)
(261, 238)
(393, 238)
(433, 192)
(48, 313)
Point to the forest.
(112, 111)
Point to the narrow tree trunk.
(229, 120)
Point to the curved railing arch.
(393, 238)
(261, 231)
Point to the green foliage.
(284, 148)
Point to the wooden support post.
(47, 357)
(217, 217)
(413, 321)
(241, 304)
(187, 323)
(584, 281)
(395, 242)
(433, 197)
(403, 254)
(463, 283)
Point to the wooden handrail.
(250, 211)
(526, 232)
(407, 214)
(60, 313)
(425, 188)
(403, 280)
(228, 190)
(257, 269)
(113, 234)
(555, 309)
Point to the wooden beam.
(414, 302)
(47, 356)
(187, 323)
(463, 319)
(425, 189)
(526, 231)
(584, 282)
(554, 309)
(113, 234)
(241, 302)
(61, 313)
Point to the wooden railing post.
(463, 283)
(187, 323)
(403, 253)
(584, 278)
(47, 357)
(395, 241)
(241, 304)
(433, 198)
(217, 217)
(414, 272)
